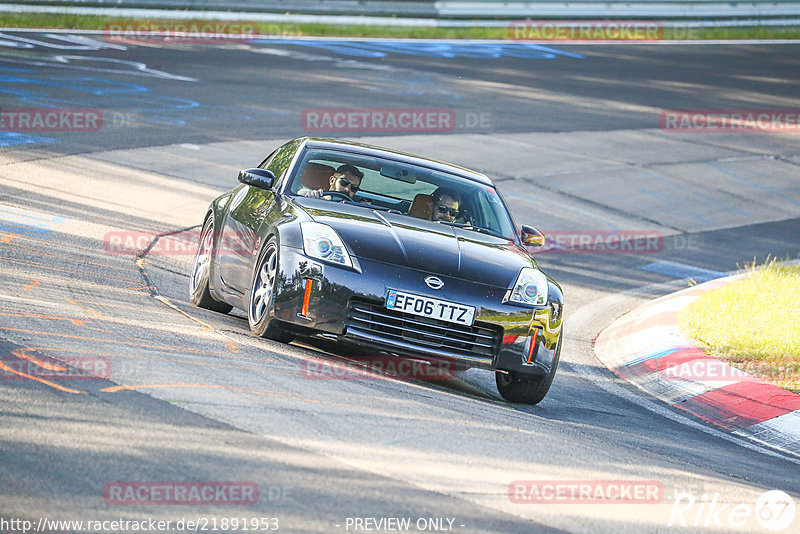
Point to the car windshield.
(402, 188)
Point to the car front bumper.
(350, 304)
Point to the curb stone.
(646, 348)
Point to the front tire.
(199, 293)
(526, 389)
(262, 296)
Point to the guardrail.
(661, 9)
(465, 9)
(404, 8)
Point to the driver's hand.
(464, 217)
(313, 193)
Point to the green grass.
(752, 323)
(91, 22)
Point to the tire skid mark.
(87, 309)
(82, 323)
(115, 389)
(261, 392)
(111, 333)
(127, 307)
(38, 253)
(160, 358)
(117, 342)
(22, 355)
(21, 352)
(138, 287)
(230, 344)
(33, 283)
(35, 315)
(135, 338)
(9, 237)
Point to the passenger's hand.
(311, 193)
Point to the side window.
(280, 160)
(267, 161)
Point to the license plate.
(428, 307)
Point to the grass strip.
(752, 323)
(94, 22)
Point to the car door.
(248, 209)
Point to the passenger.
(346, 179)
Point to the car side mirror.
(261, 178)
(531, 237)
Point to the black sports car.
(386, 250)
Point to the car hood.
(422, 245)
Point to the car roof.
(376, 151)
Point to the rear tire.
(201, 271)
(526, 389)
(262, 296)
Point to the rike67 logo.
(774, 510)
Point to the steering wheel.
(464, 217)
(343, 196)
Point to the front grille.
(480, 340)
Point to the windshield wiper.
(375, 206)
(470, 226)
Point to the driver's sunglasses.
(444, 210)
(348, 184)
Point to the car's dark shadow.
(344, 358)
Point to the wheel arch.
(217, 210)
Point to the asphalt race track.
(571, 133)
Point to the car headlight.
(529, 288)
(320, 241)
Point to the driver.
(445, 204)
(346, 179)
